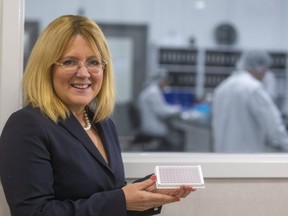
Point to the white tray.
(175, 176)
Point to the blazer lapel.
(76, 130)
(109, 139)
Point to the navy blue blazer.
(55, 169)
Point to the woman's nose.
(83, 71)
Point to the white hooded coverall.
(245, 118)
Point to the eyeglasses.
(73, 65)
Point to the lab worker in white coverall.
(155, 111)
(270, 84)
(244, 116)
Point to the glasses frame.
(103, 64)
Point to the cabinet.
(182, 67)
(201, 70)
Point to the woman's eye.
(70, 62)
(93, 62)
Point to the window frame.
(136, 165)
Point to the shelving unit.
(218, 66)
(201, 70)
(182, 67)
(181, 64)
(279, 67)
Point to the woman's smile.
(81, 86)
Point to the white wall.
(260, 23)
(11, 60)
(1, 30)
(234, 197)
(224, 197)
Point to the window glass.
(190, 47)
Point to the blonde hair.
(37, 80)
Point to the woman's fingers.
(139, 199)
(181, 192)
(184, 191)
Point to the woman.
(59, 155)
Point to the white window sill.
(213, 165)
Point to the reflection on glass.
(198, 48)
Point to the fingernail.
(193, 189)
(153, 177)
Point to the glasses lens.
(94, 65)
(69, 63)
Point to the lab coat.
(155, 111)
(245, 118)
(270, 84)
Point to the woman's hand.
(141, 196)
(181, 192)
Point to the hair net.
(161, 75)
(254, 60)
